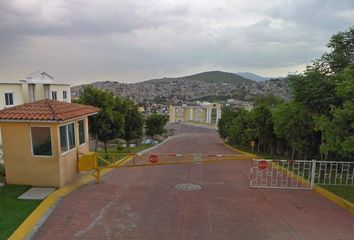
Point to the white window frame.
(67, 138)
(51, 142)
(13, 99)
(56, 95)
(78, 131)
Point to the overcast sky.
(84, 41)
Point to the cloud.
(83, 41)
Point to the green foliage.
(269, 100)
(319, 119)
(227, 114)
(313, 90)
(133, 124)
(155, 124)
(117, 118)
(294, 123)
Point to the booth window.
(81, 132)
(41, 141)
(67, 137)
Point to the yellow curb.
(335, 198)
(237, 150)
(33, 219)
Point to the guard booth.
(42, 141)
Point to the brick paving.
(142, 203)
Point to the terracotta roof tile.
(46, 110)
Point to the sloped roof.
(46, 110)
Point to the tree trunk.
(271, 150)
(105, 149)
(258, 144)
(96, 142)
(326, 156)
(293, 154)
(264, 147)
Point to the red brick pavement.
(142, 203)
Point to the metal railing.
(300, 174)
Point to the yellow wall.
(20, 165)
(23, 168)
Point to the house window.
(54, 95)
(81, 132)
(67, 137)
(9, 99)
(65, 95)
(41, 141)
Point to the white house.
(36, 86)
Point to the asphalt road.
(143, 203)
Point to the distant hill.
(219, 77)
(207, 85)
(256, 77)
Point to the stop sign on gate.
(153, 158)
(262, 164)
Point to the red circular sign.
(262, 164)
(153, 158)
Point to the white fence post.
(313, 173)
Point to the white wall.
(11, 88)
(59, 89)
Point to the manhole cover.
(188, 187)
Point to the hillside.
(202, 86)
(218, 76)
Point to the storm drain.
(188, 187)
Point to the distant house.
(36, 86)
(205, 112)
(43, 140)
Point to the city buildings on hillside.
(239, 104)
(205, 112)
(36, 86)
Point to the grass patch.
(115, 154)
(13, 211)
(346, 192)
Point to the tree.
(295, 124)
(227, 115)
(133, 124)
(155, 124)
(108, 123)
(263, 121)
(337, 130)
(314, 90)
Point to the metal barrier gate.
(95, 162)
(300, 174)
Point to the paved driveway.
(142, 203)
